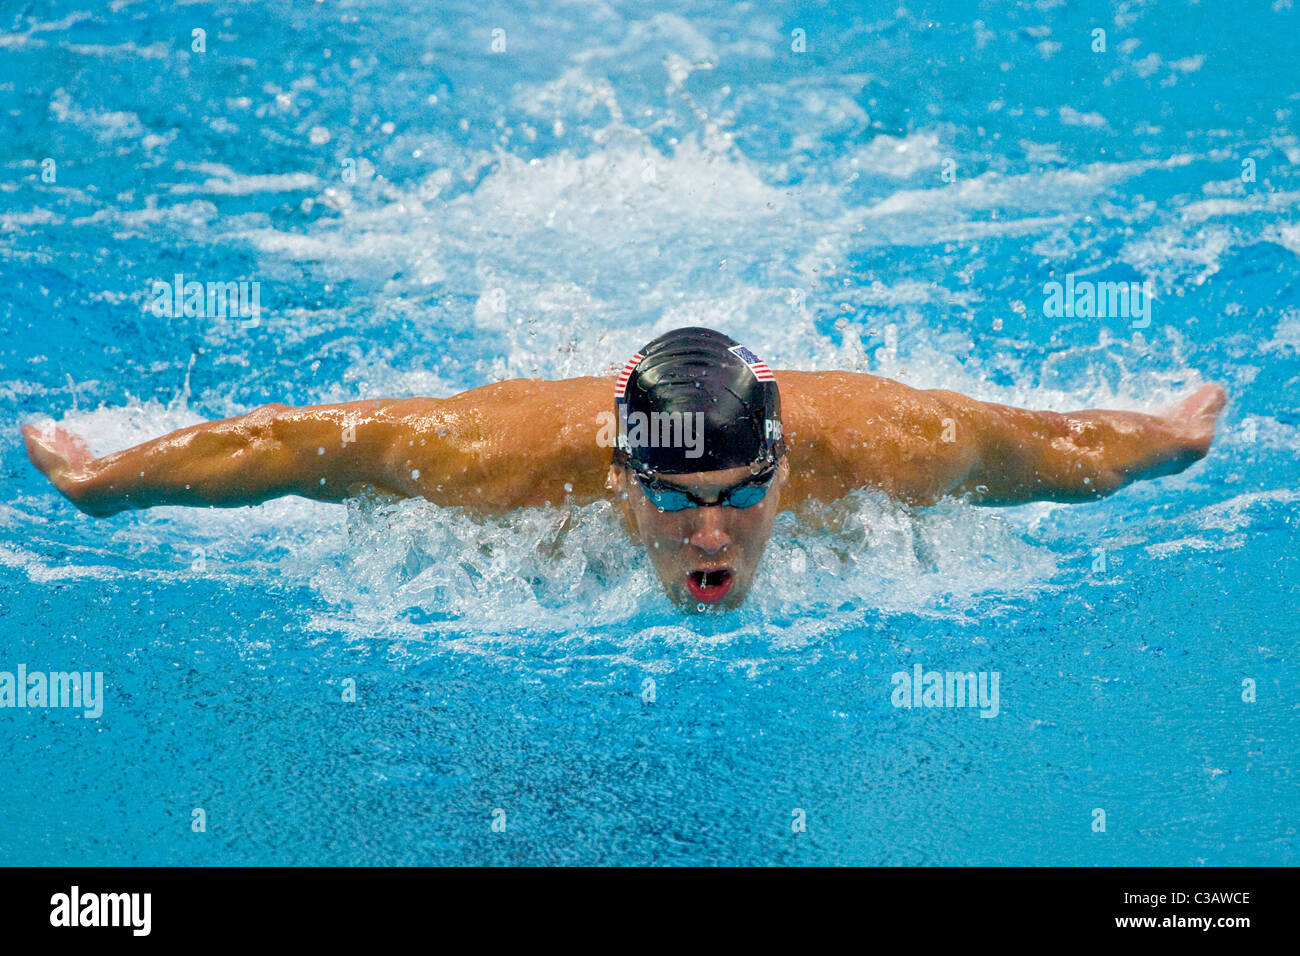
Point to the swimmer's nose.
(709, 535)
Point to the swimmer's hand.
(62, 457)
(1194, 418)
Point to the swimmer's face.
(704, 555)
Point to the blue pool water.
(426, 214)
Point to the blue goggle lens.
(745, 495)
(748, 495)
(667, 500)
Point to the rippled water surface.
(426, 214)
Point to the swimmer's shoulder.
(815, 402)
(850, 430)
(508, 444)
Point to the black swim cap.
(697, 400)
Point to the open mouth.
(709, 587)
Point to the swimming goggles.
(669, 497)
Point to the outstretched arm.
(1078, 456)
(492, 449)
(324, 452)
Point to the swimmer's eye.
(746, 494)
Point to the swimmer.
(696, 441)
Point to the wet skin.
(713, 539)
(529, 442)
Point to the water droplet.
(568, 487)
(699, 607)
(415, 474)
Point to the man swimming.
(699, 453)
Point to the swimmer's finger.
(56, 453)
(1195, 417)
(1206, 402)
(41, 454)
(73, 446)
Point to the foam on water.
(547, 572)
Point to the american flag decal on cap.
(620, 383)
(756, 364)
